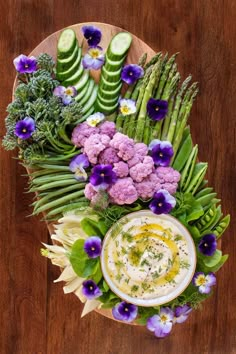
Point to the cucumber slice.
(66, 63)
(110, 93)
(83, 81)
(64, 75)
(82, 92)
(108, 86)
(111, 76)
(104, 109)
(76, 77)
(91, 101)
(66, 43)
(108, 102)
(119, 46)
(88, 92)
(111, 65)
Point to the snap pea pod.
(48, 196)
(188, 168)
(214, 201)
(203, 192)
(55, 184)
(68, 207)
(59, 201)
(183, 153)
(204, 220)
(50, 178)
(206, 199)
(198, 174)
(213, 220)
(221, 226)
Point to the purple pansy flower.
(131, 73)
(93, 246)
(161, 152)
(91, 290)
(125, 312)
(163, 202)
(24, 64)
(161, 324)
(157, 109)
(207, 245)
(78, 165)
(181, 313)
(25, 128)
(102, 176)
(94, 59)
(65, 93)
(204, 282)
(92, 34)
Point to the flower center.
(94, 53)
(131, 73)
(26, 66)
(90, 38)
(160, 204)
(24, 130)
(124, 109)
(126, 309)
(161, 154)
(91, 287)
(163, 318)
(201, 280)
(69, 92)
(92, 248)
(102, 175)
(205, 244)
(157, 109)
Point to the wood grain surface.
(36, 317)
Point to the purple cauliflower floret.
(168, 174)
(108, 128)
(81, 133)
(142, 169)
(168, 178)
(108, 156)
(148, 186)
(89, 192)
(123, 191)
(94, 145)
(124, 146)
(141, 151)
(121, 169)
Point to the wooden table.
(36, 317)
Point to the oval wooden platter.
(49, 45)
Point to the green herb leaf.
(78, 257)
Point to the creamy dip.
(148, 259)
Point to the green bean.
(59, 201)
(53, 167)
(188, 168)
(50, 178)
(68, 207)
(41, 172)
(183, 153)
(54, 185)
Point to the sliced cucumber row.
(70, 71)
(110, 81)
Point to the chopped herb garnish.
(134, 288)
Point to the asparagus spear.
(130, 125)
(147, 95)
(165, 73)
(153, 61)
(181, 126)
(174, 116)
(170, 87)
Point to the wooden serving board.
(49, 45)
